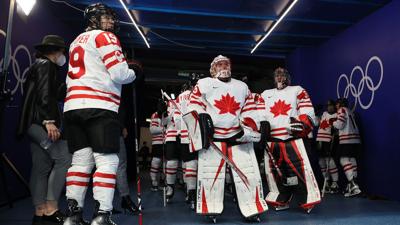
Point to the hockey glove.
(207, 129)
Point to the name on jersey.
(83, 39)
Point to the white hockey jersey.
(280, 105)
(324, 130)
(348, 130)
(97, 70)
(182, 101)
(156, 130)
(172, 131)
(225, 102)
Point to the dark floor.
(334, 209)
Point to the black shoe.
(128, 206)
(74, 214)
(37, 220)
(56, 218)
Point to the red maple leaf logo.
(280, 108)
(324, 124)
(227, 104)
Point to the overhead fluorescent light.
(148, 120)
(26, 5)
(134, 23)
(275, 25)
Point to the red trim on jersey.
(111, 54)
(82, 96)
(198, 103)
(280, 134)
(276, 129)
(305, 106)
(86, 88)
(227, 129)
(114, 62)
(249, 109)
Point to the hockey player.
(349, 145)
(326, 139)
(97, 70)
(189, 158)
(157, 132)
(222, 104)
(172, 149)
(291, 114)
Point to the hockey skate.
(334, 188)
(253, 219)
(192, 199)
(327, 189)
(74, 214)
(170, 192)
(154, 186)
(308, 209)
(281, 207)
(101, 217)
(353, 189)
(213, 219)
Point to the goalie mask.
(221, 68)
(100, 16)
(282, 78)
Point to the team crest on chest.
(324, 124)
(280, 108)
(227, 104)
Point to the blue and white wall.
(363, 63)
(27, 31)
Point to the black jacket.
(42, 91)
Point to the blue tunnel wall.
(370, 50)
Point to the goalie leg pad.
(210, 181)
(279, 194)
(308, 187)
(250, 197)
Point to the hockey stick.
(273, 161)
(163, 161)
(164, 164)
(139, 193)
(217, 149)
(327, 165)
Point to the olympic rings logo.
(18, 72)
(366, 81)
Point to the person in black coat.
(41, 121)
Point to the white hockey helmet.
(213, 64)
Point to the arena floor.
(335, 209)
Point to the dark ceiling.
(184, 36)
